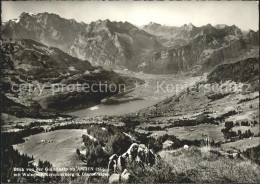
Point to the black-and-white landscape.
(92, 94)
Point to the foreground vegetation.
(195, 165)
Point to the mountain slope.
(229, 83)
(37, 76)
(37, 61)
(245, 71)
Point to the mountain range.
(152, 48)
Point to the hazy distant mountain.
(176, 36)
(171, 35)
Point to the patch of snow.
(31, 14)
(16, 20)
(86, 72)
(208, 51)
(185, 146)
(167, 144)
(190, 26)
(215, 42)
(91, 137)
(220, 26)
(72, 68)
(96, 71)
(128, 135)
(230, 38)
(143, 64)
(94, 108)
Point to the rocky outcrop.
(136, 154)
(124, 177)
(252, 37)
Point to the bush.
(217, 96)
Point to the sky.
(243, 14)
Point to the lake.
(148, 92)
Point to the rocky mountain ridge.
(173, 36)
(152, 49)
(109, 44)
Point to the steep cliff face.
(113, 44)
(99, 45)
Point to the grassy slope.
(203, 166)
(61, 152)
(194, 165)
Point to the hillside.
(125, 157)
(230, 79)
(196, 165)
(36, 61)
(246, 71)
(229, 95)
(36, 76)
